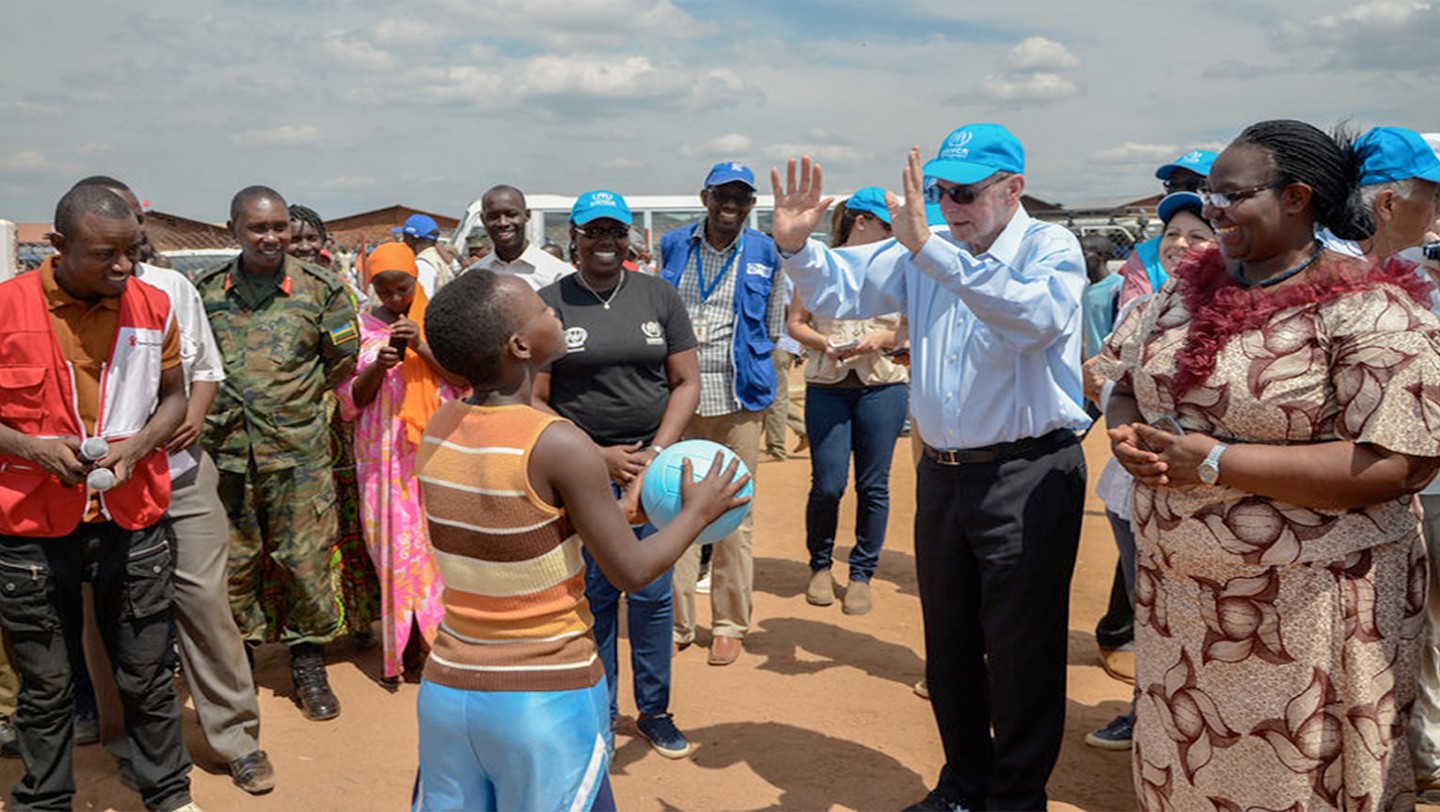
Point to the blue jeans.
(651, 614)
(866, 420)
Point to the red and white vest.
(37, 398)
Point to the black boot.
(312, 687)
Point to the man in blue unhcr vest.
(728, 277)
(1142, 272)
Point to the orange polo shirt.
(86, 332)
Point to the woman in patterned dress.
(391, 397)
(1278, 403)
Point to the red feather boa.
(1220, 307)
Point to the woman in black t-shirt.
(629, 379)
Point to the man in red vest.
(90, 368)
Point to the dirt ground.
(817, 714)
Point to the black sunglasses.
(960, 195)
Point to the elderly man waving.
(993, 300)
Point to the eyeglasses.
(960, 195)
(1224, 200)
(736, 198)
(601, 232)
(1188, 184)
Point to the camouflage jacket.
(281, 351)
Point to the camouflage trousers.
(283, 528)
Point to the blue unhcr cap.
(870, 200)
(1176, 202)
(975, 152)
(599, 204)
(1395, 153)
(1197, 161)
(727, 172)
(419, 225)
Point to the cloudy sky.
(348, 106)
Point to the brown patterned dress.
(1276, 645)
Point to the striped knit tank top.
(515, 612)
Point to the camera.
(1431, 250)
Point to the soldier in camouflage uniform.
(288, 332)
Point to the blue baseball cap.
(975, 152)
(1197, 161)
(870, 200)
(727, 172)
(419, 225)
(1176, 202)
(599, 204)
(1395, 153)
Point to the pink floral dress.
(390, 507)
(1277, 645)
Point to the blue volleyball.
(660, 492)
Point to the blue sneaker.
(662, 734)
(1114, 736)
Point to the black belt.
(1000, 451)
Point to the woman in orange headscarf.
(397, 386)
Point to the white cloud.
(1378, 35)
(1034, 87)
(27, 160)
(284, 134)
(351, 52)
(406, 32)
(93, 149)
(565, 26)
(623, 164)
(1150, 155)
(825, 153)
(349, 182)
(30, 108)
(1133, 153)
(728, 144)
(1387, 13)
(556, 75)
(1040, 54)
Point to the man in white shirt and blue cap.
(993, 300)
(1399, 183)
(421, 233)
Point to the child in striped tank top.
(514, 713)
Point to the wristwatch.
(1209, 470)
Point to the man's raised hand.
(908, 219)
(798, 205)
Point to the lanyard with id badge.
(700, 321)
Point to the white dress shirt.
(995, 338)
(199, 354)
(533, 265)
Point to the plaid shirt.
(717, 313)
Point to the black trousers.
(40, 607)
(995, 547)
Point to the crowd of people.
(451, 448)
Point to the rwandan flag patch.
(344, 333)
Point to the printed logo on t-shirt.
(653, 333)
(575, 339)
(758, 269)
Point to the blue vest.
(756, 271)
(1149, 252)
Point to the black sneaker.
(1114, 736)
(662, 734)
(87, 728)
(935, 802)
